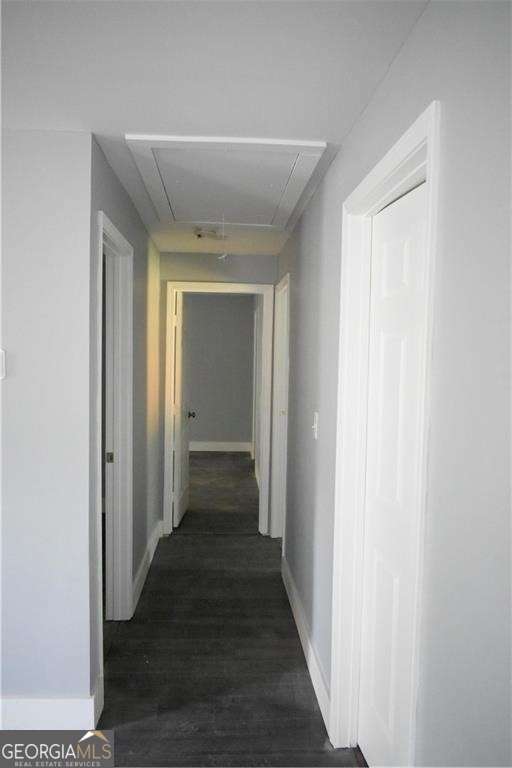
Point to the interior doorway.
(114, 407)
(386, 319)
(181, 412)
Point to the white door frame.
(267, 292)
(413, 159)
(119, 528)
(280, 403)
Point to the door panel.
(181, 420)
(108, 406)
(392, 507)
(280, 410)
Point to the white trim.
(304, 630)
(415, 157)
(119, 535)
(73, 714)
(175, 289)
(145, 563)
(280, 412)
(228, 447)
(225, 141)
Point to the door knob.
(191, 414)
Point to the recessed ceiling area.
(226, 185)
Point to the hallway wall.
(109, 196)
(59, 181)
(219, 341)
(46, 195)
(457, 53)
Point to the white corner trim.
(73, 714)
(315, 670)
(229, 447)
(142, 570)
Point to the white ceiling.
(285, 70)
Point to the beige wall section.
(458, 53)
(207, 267)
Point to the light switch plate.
(314, 426)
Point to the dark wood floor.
(210, 670)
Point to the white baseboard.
(315, 670)
(142, 570)
(75, 714)
(200, 445)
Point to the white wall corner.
(315, 670)
(38, 714)
(142, 570)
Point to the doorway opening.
(218, 402)
(113, 429)
(218, 354)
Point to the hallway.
(210, 670)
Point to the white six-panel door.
(392, 507)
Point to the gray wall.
(46, 195)
(219, 341)
(110, 197)
(457, 53)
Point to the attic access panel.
(256, 183)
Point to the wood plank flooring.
(210, 670)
